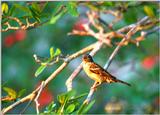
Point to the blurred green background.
(135, 65)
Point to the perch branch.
(133, 30)
(79, 68)
(33, 94)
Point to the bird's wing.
(95, 68)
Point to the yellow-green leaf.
(149, 11)
(58, 51)
(21, 92)
(4, 7)
(72, 8)
(51, 52)
(12, 93)
(40, 70)
(70, 108)
(54, 18)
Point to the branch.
(36, 98)
(79, 68)
(135, 27)
(20, 23)
(32, 95)
(132, 31)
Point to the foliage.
(68, 103)
(48, 38)
(49, 60)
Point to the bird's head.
(87, 58)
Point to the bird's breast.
(95, 77)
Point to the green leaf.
(78, 97)
(56, 17)
(36, 7)
(70, 108)
(88, 107)
(58, 51)
(72, 8)
(23, 8)
(66, 96)
(4, 7)
(12, 93)
(109, 3)
(21, 92)
(50, 107)
(35, 14)
(85, 107)
(52, 52)
(12, 9)
(40, 70)
(149, 11)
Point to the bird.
(97, 73)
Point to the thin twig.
(22, 112)
(129, 34)
(37, 96)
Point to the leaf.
(65, 96)
(78, 97)
(50, 107)
(12, 9)
(4, 8)
(109, 3)
(21, 92)
(35, 14)
(52, 52)
(88, 107)
(72, 8)
(58, 51)
(40, 70)
(36, 7)
(23, 8)
(149, 11)
(12, 93)
(85, 107)
(56, 17)
(70, 108)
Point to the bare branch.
(20, 23)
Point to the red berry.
(79, 24)
(9, 41)
(20, 35)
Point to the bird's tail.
(123, 82)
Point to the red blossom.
(20, 35)
(149, 62)
(46, 97)
(9, 41)
(79, 24)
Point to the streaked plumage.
(97, 73)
